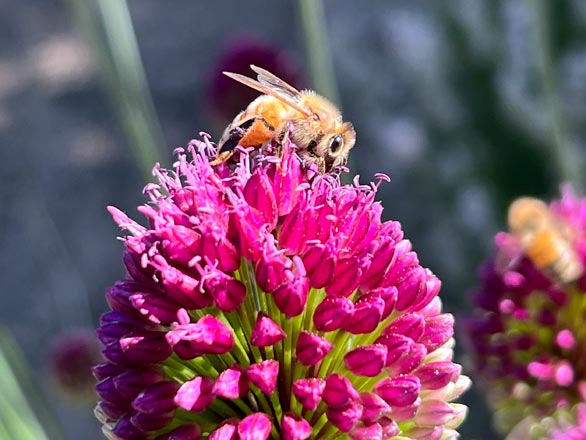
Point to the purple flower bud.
(131, 382)
(411, 325)
(346, 417)
(264, 375)
(294, 427)
(227, 431)
(157, 398)
(339, 391)
(195, 395)
(272, 268)
(309, 391)
(148, 348)
(311, 348)
(156, 308)
(398, 391)
(228, 293)
(370, 431)
(151, 422)
(366, 360)
(346, 277)
(433, 413)
(290, 298)
(189, 431)
(108, 392)
(435, 375)
(373, 407)
(107, 369)
(232, 383)
(256, 426)
(208, 336)
(125, 430)
(332, 313)
(266, 332)
(114, 411)
(367, 315)
(320, 263)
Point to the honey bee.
(545, 240)
(313, 123)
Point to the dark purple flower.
(526, 336)
(71, 358)
(264, 300)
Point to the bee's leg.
(231, 139)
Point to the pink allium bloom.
(70, 359)
(264, 300)
(526, 336)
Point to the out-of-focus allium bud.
(227, 97)
(265, 300)
(526, 335)
(71, 358)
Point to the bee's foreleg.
(234, 135)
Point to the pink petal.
(366, 360)
(309, 391)
(311, 348)
(339, 391)
(264, 375)
(266, 332)
(196, 394)
(256, 426)
(294, 427)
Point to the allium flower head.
(527, 334)
(265, 300)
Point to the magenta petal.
(411, 325)
(156, 308)
(294, 427)
(436, 375)
(366, 360)
(151, 422)
(339, 391)
(256, 426)
(346, 277)
(368, 312)
(374, 407)
(390, 427)
(291, 297)
(132, 382)
(309, 391)
(438, 330)
(266, 332)
(208, 336)
(398, 391)
(319, 261)
(370, 431)
(271, 269)
(157, 398)
(434, 413)
(188, 431)
(345, 418)
(227, 431)
(264, 375)
(311, 348)
(332, 313)
(293, 232)
(258, 192)
(228, 292)
(232, 383)
(196, 394)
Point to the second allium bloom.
(527, 336)
(267, 301)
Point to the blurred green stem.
(114, 45)
(567, 167)
(318, 52)
(24, 414)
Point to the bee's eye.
(315, 117)
(336, 142)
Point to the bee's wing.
(283, 91)
(267, 78)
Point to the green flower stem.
(563, 154)
(314, 28)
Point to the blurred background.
(465, 104)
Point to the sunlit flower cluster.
(266, 300)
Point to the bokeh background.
(466, 104)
